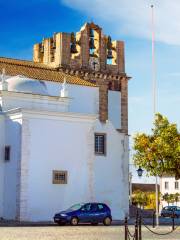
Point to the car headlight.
(63, 214)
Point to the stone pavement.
(86, 232)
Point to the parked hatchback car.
(93, 213)
(169, 210)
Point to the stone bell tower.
(93, 56)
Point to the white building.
(168, 184)
(61, 145)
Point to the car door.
(171, 210)
(85, 213)
(94, 214)
(166, 211)
(101, 211)
(97, 212)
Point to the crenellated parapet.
(88, 49)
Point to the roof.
(39, 71)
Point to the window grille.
(59, 177)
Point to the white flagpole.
(154, 103)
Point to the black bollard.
(125, 229)
(173, 216)
(136, 229)
(140, 223)
(153, 219)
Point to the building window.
(100, 143)
(7, 152)
(166, 185)
(59, 177)
(176, 185)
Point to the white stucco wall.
(111, 172)
(84, 99)
(68, 144)
(114, 108)
(13, 100)
(2, 133)
(62, 147)
(12, 139)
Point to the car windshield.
(76, 206)
(166, 208)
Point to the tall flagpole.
(154, 102)
(153, 63)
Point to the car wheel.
(162, 215)
(107, 221)
(74, 221)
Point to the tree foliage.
(171, 198)
(159, 153)
(140, 198)
(147, 200)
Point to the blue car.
(168, 211)
(93, 213)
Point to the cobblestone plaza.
(79, 233)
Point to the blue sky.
(24, 23)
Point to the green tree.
(170, 198)
(151, 203)
(165, 197)
(140, 198)
(159, 152)
(146, 200)
(176, 197)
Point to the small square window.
(166, 185)
(176, 185)
(7, 152)
(100, 143)
(59, 177)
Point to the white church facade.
(64, 127)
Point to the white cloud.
(133, 17)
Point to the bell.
(109, 54)
(73, 39)
(42, 48)
(91, 33)
(73, 48)
(54, 41)
(109, 43)
(91, 43)
(73, 43)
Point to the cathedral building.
(64, 127)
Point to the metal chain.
(133, 236)
(159, 233)
(130, 234)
